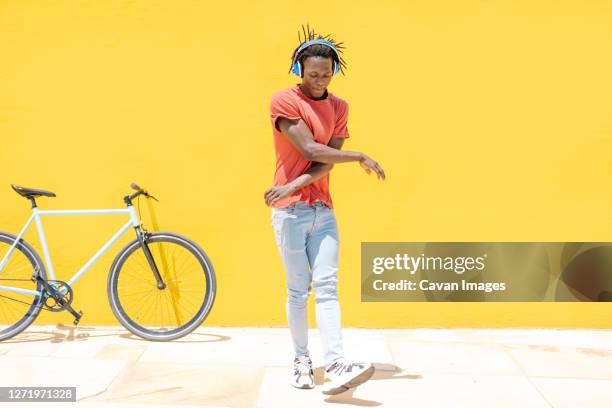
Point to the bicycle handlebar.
(128, 199)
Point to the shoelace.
(302, 366)
(339, 368)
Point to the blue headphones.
(296, 67)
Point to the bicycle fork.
(142, 238)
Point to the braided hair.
(317, 50)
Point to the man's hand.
(314, 173)
(368, 165)
(273, 194)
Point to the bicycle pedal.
(78, 319)
(77, 315)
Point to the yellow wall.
(492, 120)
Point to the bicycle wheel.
(169, 313)
(18, 311)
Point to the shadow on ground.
(383, 372)
(63, 333)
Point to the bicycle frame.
(36, 216)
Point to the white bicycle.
(161, 285)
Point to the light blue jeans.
(307, 238)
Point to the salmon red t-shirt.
(326, 118)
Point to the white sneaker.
(303, 376)
(344, 375)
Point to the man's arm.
(317, 170)
(314, 173)
(299, 134)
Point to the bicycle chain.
(46, 295)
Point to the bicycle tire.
(131, 322)
(37, 302)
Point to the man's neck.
(305, 92)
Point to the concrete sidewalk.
(249, 367)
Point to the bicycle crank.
(58, 296)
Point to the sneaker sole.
(303, 386)
(360, 379)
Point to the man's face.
(317, 75)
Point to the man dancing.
(309, 126)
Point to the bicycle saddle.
(31, 192)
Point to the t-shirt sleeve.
(341, 129)
(282, 106)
